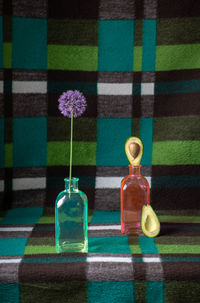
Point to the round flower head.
(72, 101)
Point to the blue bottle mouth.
(71, 186)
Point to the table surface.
(117, 268)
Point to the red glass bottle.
(135, 193)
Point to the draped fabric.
(138, 64)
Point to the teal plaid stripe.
(115, 45)
(149, 45)
(9, 291)
(27, 34)
(112, 291)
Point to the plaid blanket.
(117, 268)
(138, 64)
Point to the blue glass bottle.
(71, 219)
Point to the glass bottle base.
(72, 247)
(132, 229)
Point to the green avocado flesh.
(149, 222)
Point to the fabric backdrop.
(138, 64)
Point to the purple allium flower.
(72, 101)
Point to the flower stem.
(70, 161)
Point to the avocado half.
(134, 150)
(149, 222)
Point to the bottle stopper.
(134, 150)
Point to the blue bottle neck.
(71, 186)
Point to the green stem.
(70, 161)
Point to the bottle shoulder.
(83, 195)
(135, 180)
(61, 194)
(73, 196)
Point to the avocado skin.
(147, 210)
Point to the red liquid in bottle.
(135, 193)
